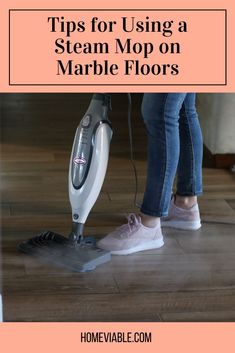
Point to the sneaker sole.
(151, 245)
(182, 225)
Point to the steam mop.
(88, 164)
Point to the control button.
(86, 121)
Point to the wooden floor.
(192, 278)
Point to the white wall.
(217, 117)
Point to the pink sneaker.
(181, 218)
(132, 237)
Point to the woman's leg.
(184, 212)
(161, 116)
(189, 181)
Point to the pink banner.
(169, 47)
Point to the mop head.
(58, 249)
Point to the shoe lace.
(133, 222)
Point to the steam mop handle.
(105, 98)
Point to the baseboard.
(208, 158)
(217, 160)
(224, 160)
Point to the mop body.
(88, 164)
(58, 249)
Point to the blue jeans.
(174, 146)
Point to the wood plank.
(172, 280)
(27, 156)
(125, 307)
(73, 283)
(216, 208)
(161, 261)
(211, 238)
(5, 210)
(41, 208)
(203, 316)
